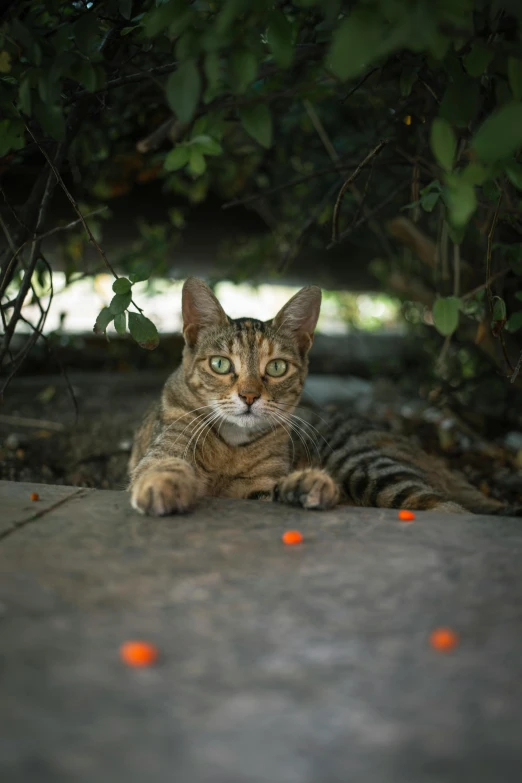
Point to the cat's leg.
(370, 477)
(164, 486)
(310, 488)
(163, 481)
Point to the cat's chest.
(230, 470)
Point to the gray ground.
(306, 664)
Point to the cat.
(226, 426)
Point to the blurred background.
(369, 147)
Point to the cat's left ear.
(299, 316)
(200, 309)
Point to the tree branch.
(335, 219)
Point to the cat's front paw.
(311, 488)
(161, 492)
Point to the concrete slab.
(17, 508)
(283, 664)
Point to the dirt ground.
(40, 440)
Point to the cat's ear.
(200, 309)
(299, 316)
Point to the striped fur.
(242, 434)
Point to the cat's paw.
(311, 488)
(161, 492)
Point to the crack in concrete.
(39, 514)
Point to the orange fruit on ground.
(35, 496)
(138, 653)
(292, 537)
(443, 639)
(406, 516)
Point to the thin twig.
(456, 270)
(359, 84)
(73, 202)
(26, 281)
(347, 183)
(312, 217)
(286, 185)
(488, 282)
(22, 421)
(517, 369)
(72, 224)
(131, 78)
(490, 245)
(488, 275)
(370, 214)
(77, 210)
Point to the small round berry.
(292, 537)
(406, 516)
(35, 496)
(137, 653)
(443, 639)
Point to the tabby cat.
(226, 426)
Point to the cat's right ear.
(200, 309)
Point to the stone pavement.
(304, 664)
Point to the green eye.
(220, 364)
(276, 368)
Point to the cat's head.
(249, 371)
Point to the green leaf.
(140, 275)
(143, 331)
(86, 32)
(456, 233)
(429, 200)
(226, 17)
(24, 96)
(120, 302)
(197, 163)
(443, 143)
(500, 135)
(52, 120)
(85, 74)
(279, 37)
(242, 69)
(445, 314)
(477, 59)
(514, 70)
(125, 7)
(158, 19)
(476, 173)
(103, 320)
(407, 80)
(515, 322)
(514, 172)
(120, 323)
(176, 159)
(5, 62)
(461, 199)
(461, 100)
(11, 136)
(359, 41)
(213, 69)
(48, 89)
(183, 90)
(257, 121)
(121, 285)
(499, 309)
(207, 145)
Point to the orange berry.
(443, 639)
(138, 653)
(35, 496)
(406, 516)
(292, 537)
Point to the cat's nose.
(249, 397)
